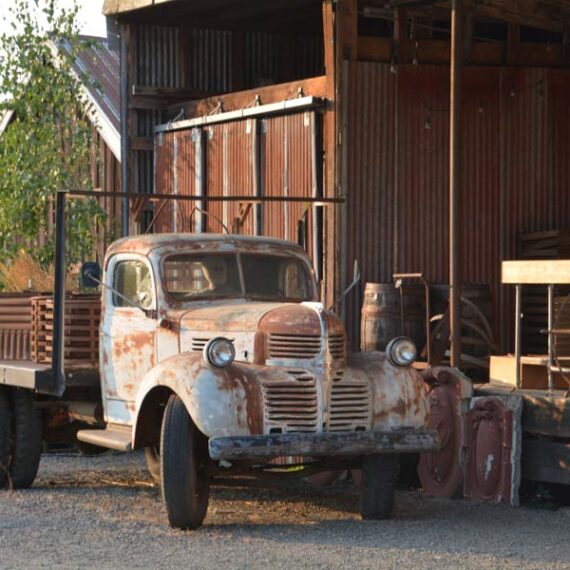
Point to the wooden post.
(455, 182)
(329, 150)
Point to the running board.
(117, 437)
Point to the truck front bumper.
(400, 440)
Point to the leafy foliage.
(49, 144)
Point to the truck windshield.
(269, 277)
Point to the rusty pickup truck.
(216, 356)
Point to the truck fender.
(221, 402)
(399, 394)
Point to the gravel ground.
(104, 512)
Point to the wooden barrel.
(381, 316)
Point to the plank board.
(536, 272)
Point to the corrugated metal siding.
(286, 164)
(371, 188)
(421, 170)
(288, 171)
(516, 174)
(210, 60)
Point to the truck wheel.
(152, 456)
(27, 442)
(5, 436)
(184, 454)
(379, 476)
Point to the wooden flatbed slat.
(25, 375)
(536, 272)
(38, 377)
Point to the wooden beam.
(315, 86)
(400, 39)
(329, 148)
(513, 43)
(347, 30)
(527, 13)
(439, 51)
(346, 52)
(536, 272)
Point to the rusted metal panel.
(238, 171)
(101, 64)
(164, 179)
(288, 171)
(229, 172)
(492, 471)
(276, 157)
(442, 472)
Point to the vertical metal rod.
(125, 182)
(401, 290)
(518, 333)
(200, 177)
(257, 177)
(59, 296)
(315, 194)
(550, 337)
(175, 189)
(455, 182)
(428, 317)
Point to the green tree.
(48, 146)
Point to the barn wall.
(516, 176)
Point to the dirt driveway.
(104, 513)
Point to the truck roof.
(144, 244)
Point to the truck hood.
(247, 317)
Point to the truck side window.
(133, 280)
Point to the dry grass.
(24, 273)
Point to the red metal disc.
(440, 473)
(489, 439)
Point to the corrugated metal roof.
(101, 65)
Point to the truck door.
(128, 332)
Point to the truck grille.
(336, 346)
(198, 343)
(350, 405)
(294, 346)
(291, 405)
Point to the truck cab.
(217, 356)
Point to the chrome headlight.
(219, 352)
(401, 351)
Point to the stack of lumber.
(81, 342)
(15, 326)
(554, 244)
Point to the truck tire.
(152, 456)
(27, 440)
(185, 481)
(5, 435)
(379, 477)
